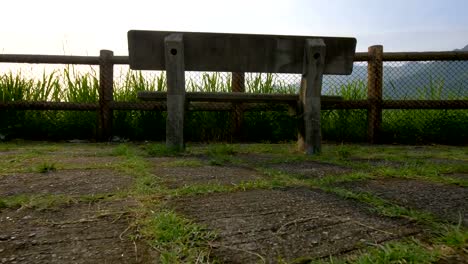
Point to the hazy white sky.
(86, 26)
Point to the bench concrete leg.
(309, 138)
(175, 71)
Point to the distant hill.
(414, 80)
(464, 49)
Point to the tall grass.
(268, 83)
(424, 126)
(71, 85)
(68, 85)
(133, 82)
(210, 83)
(345, 124)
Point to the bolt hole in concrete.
(316, 56)
(173, 51)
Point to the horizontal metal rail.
(123, 60)
(416, 56)
(36, 105)
(425, 104)
(229, 106)
(58, 59)
(237, 97)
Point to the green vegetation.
(178, 240)
(71, 85)
(410, 251)
(46, 167)
(220, 154)
(398, 252)
(346, 125)
(454, 236)
(182, 163)
(160, 150)
(122, 150)
(40, 202)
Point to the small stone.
(4, 260)
(27, 217)
(54, 255)
(32, 234)
(78, 141)
(336, 238)
(4, 237)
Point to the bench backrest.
(238, 52)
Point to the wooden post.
(175, 71)
(106, 94)
(309, 138)
(237, 85)
(374, 92)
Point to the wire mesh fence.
(427, 82)
(408, 85)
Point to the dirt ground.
(458, 175)
(296, 221)
(310, 169)
(70, 182)
(269, 225)
(77, 233)
(72, 231)
(176, 177)
(445, 201)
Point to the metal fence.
(389, 98)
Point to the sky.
(84, 27)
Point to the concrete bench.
(177, 52)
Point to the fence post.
(237, 85)
(374, 92)
(175, 71)
(310, 135)
(106, 94)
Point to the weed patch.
(398, 252)
(46, 167)
(160, 150)
(178, 240)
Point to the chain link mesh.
(39, 92)
(428, 82)
(30, 86)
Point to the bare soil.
(9, 152)
(447, 161)
(86, 161)
(458, 175)
(176, 177)
(378, 162)
(288, 224)
(69, 182)
(295, 223)
(310, 169)
(257, 158)
(445, 201)
(79, 233)
(68, 161)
